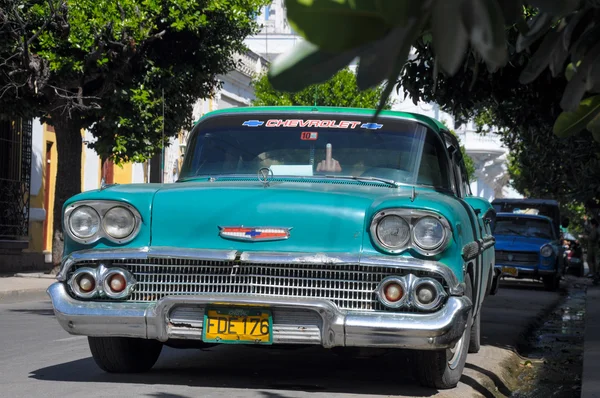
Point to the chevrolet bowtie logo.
(253, 123)
(254, 234)
(371, 126)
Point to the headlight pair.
(399, 229)
(88, 221)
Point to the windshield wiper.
(364, 178)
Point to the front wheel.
(124, 354)
(443, 369)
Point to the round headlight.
(547, 251)
(393, 232)
(429, 233)
(118, 222)
(84, 222)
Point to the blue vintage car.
(299, 225)
(528, 242)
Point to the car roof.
(551, 202)
(431, 122)
(523, 215)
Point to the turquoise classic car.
(288, 225)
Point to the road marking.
(74, 338)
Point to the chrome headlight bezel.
(101, 207)
(412, 217)
(548, 250)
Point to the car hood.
(323, 216)
(519, 243)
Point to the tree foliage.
(104, 65)
(566, 35)
(340, 90)
(541, 164)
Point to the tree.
(542, 164)
(381, 34)
(340, 90)
(104, 65)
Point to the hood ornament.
(265, 175)
(261, 234)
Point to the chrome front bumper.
(295, 321)
(526, 271)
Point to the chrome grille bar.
(349, 286)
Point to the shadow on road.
(35, 311)
(272, 371)
(306, 370)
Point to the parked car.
(291, 225)
(527, 247)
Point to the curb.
(23, 295)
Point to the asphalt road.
(39, 359)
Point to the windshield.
(404, 152)
(521, 226)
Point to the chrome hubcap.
(453, 354)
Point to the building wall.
(43, 181)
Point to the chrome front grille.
(517, 258)
(349, 286)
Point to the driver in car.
(329, 164)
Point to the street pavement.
(39, 359)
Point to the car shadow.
(308, 370)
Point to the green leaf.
(538, 26)
(570, 71)
(485, 25)
(512, 10)
(377, 60)
(306, 64)
(450, 37)
(399, 65)
(580, 83)
(556, 7)
(540, 60)
(594, 127)
(337, 25)
(569, 123)
(572, 23)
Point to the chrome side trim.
(432, 331)
(192, 254)
(300, 258)
(407, 263)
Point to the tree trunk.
(68, 174)
(155, 169)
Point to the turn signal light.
(117, 283)
(393, 292)
(86, 283)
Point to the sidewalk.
(590, 382)
(24, 287)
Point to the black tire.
(475, 341)
(124, 354)
(551, 282)
(433, 368)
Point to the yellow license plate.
(512, 271)
(237, 326)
